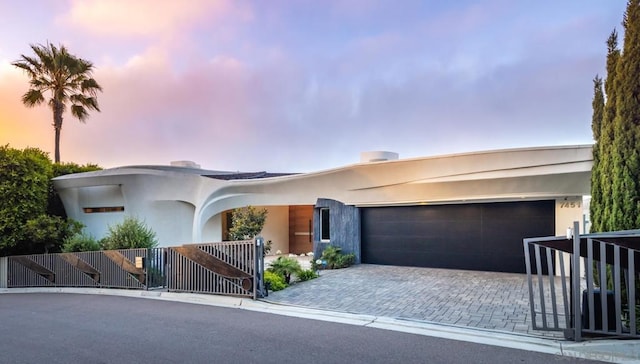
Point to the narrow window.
(324, 225)
(95, 210)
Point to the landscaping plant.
(273, 281)
(334, 259)
(129, 234)
(285, 267)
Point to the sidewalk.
(604, 350)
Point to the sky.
(302, 85)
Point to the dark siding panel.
(475, 236)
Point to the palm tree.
(66, 77)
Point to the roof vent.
(188, 164)
(378, 156)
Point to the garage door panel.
(432, 244)
(475, 236)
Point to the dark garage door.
(484, 237)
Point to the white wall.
(172, 222)
(212, 230)
(568, 210)
(276, 228)
(97, 223)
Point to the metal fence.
(585, 285)
(230, 268)
(106, 269)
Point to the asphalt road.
(69, 328)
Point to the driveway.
(483, 300)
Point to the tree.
(616, 172)
(24, 179)
(596, 174)
(66, 78)
(625, 212)
(247, 222)
(46, 233)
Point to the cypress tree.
(596, 171)
(625, 154)
(603, 133)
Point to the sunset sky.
(295, 86)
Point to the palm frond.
(32, 98)
(79, 112)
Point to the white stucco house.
(468, 211)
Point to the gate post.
(575, 280)
(4, 269)
(258, 271)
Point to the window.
(324, 225)
(93, 210)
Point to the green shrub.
(274, 281)
(334, 258)
(47, 233)
(129, 234)
(330, 254)
(285, 266)
(306, 274)
(80, 243)
(345, 260)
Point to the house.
(463, 211)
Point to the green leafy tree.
(129, 234)
(66, 79)
(46, 233)
(24, 181)
(247, 222)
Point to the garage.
(486, 236)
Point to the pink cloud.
(148, 17)
(20, 126)
(153, 114)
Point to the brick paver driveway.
(485, 300)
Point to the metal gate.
(592, 296)
(233, 268)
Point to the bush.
(80, 243)
(130, 234)
(47, 233)
(285, 266)
(334, 259)
(274, 281)
(306, 274)
(345, 260)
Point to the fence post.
(577, 310)
(4, 270)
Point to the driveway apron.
(482, 300)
